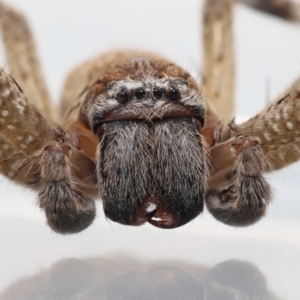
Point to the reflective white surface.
(128, 278)
(268, 60)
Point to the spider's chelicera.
(137, 130)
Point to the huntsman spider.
(141, 133)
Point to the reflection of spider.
(138, 129)
(127, 278)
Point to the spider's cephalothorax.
(137, 130)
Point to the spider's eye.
(157, 93)
(140, 94)
(109, 86)
(158, 75)
(173, 94)
(123, 96)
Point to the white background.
(268, 60)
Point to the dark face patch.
(153, 172)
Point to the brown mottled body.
(139, 131)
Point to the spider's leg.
(218, 56)
(277, 129)
(286, 9)
(242, 198)
(20, 129)
(23, 62)
(15, 165)
(21, 124)
(67, 206)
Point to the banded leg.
(218, 60)
(23, 62)
(245, 199)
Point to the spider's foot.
(246, 200)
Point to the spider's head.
(142, 89)
(151, 161)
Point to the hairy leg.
(218, 60)
(277, 129)
(15, 165)
(23, 62)
(21, 124)
(21, 143)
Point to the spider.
(140, 132)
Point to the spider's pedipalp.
(67, 209)
(245, 201)
(54, 164)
